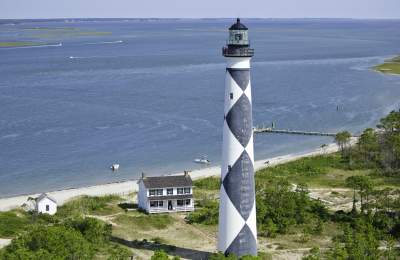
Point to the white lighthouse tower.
(237, 232)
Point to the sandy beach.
(126, 187)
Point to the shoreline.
(129, 186)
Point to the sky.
(18, 9)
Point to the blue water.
(149, 94)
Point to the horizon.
(202, 18)
(48, 9)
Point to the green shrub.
(117, 252)
(54, 242)
(160, 255)
(207, 214)
(11, 223)
(95, 231)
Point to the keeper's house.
(166, 193)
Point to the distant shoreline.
(390, 67)
(130, 186)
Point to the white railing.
(175, 209)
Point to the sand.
(126, 187)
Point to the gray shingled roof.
(168, 181)
(44, 195)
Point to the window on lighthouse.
(231, 95)
(238, 37)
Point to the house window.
(187, 190)
(187, 202)
(159, 192)
(179, 190)
(47, 207)
(170, 191)
(231, 96)
(179, 203)
(156, 204)
(152, 192)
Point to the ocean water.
(148, 94)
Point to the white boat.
(202, 160)
(115, 167)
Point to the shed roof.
(168, 181)
(44, 195)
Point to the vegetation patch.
(104, 205)
(391, 66)
(19, 44)
(144, 222)
(209, 183)
(12, 223)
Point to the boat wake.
(94, 43)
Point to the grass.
(319, 171)
(105, 205)
(324, 171)
(12, 223)
(391, 66)
(18, 44)
(209, 183)
(143, 222)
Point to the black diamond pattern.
(241, 77)
(239, 120)
(243, 244)
(239, 185)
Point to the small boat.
(115, 167)
(202, 160)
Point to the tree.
(390, 143)
(368, 147)
(363, 185)
(342, 139)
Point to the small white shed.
(46, 204)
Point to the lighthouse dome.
(238, 26)
(238, 34)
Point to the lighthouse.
(237, 231)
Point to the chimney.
(143, 175)
(186, 173)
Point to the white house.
(46, 204)
(166, 193)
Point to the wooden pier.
(292, 132)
